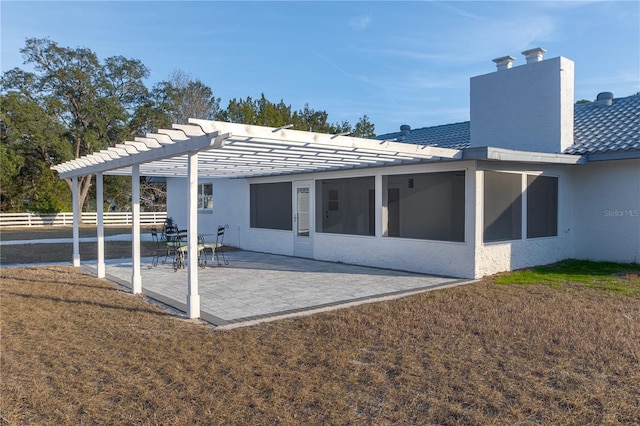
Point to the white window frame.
(203, 205)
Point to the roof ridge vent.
(604, 99)
(405, 129)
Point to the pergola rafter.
(239, 150)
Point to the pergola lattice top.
(239, 150)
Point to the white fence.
(88, 218)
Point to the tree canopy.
(73, 104)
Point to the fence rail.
(88, 218)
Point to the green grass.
(609, 276)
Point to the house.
(532, 179)
(535, 179)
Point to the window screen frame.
(280, 200)
(410, 200)
(503, 208)
(547, 204)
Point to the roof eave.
(502, 154)
(612, 155)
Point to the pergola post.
(193, 298)
(76, 221)
(100, 224)
(136, 279)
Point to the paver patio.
(259, 287)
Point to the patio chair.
(168, 225)
(157, 247)
(216, 248)
(174, 240)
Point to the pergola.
(214, 149)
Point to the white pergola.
(214, 149)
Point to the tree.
(30, 145)
(364, 128)
(93, 105)
(182, 98)
(263, 112)
(73, 104)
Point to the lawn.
(507, 350)
(63, 252)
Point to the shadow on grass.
(619, 277)
(88, 303)
(49, 282)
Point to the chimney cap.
(504, 62)
(534, 55)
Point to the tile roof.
(597, 128)
(455, 136)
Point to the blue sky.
(397, 62)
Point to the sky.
(397, 62)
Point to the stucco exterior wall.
(494, 257)
(429, 257)
(230, 207)
(607, 211)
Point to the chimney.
(527, 107)
(534, 55)
(504, 63)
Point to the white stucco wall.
(429, 257)
(528, 107)
(234, 213)
(494, 257)
(607, 211)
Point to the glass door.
(302, 220)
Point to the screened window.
(502, 206)
(427, 206)
(205, 196)
(542, 206)
(271, 206)
(344, 206)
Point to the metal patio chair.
(215, 249)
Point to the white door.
(302, 219)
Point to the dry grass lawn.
(77, 350)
